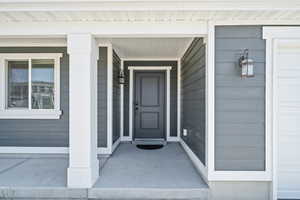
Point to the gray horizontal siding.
(55, 133)
(173, 92)
(102, 97)
(40, 133)
(239, 103)
(193, 97)
(116, 97)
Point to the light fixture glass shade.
(121, 77)
(247, 68)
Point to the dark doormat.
(149, 146)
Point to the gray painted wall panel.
(102, 97)
(116, 97)
(239, 43)
(173, 92)
(193, 97)
(40, 133)
(239, 103)
(55, 133)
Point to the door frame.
(167, 69)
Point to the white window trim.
(30, 113)
(131, 76)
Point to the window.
(30, 86)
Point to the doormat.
(149, 147)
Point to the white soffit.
(150, 48)
(127, 48)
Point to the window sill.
(30, 114)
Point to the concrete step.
(149, 193)
(61, 193)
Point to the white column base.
(84, 177)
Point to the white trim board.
(202, 169)
(47, 150)
(103, 29)
(109, 151)
(210, 99)
(33, 42)
(173, 139)
(122, 105)
(149, 59)
(109, 115)
(168, 82)
(205, 40)
(272, 36)
(34, 150)
(103, 151)
(126, 139)
(115, 145)
(154, 5)
(146, 68)
(109, 102)
(179, 99)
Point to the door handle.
(136, 106)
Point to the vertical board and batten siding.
(102, 97)
(44, 132)
(193, 69)
(173, 92)
(116, 96)
(239, 103)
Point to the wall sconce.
(121, 77)
(246, 65)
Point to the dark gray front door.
(149, 105)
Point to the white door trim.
(122, 105)
(272, 35)
(131, 77)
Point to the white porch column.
(83, 168)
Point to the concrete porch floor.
(130, 167)
(130, 173)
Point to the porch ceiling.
(150, 48)
(68, 15)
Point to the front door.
(149, 105)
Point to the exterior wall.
(193, 97)
(239, 103)
(116, 97)
(54, 132)
(240, 190)
(173, 92)
(40, 133)
(102, 97)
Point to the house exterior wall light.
(121, 77)
(246, 65)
